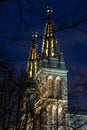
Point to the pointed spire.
(50, 23)
(34, 46)
(33, 60)
(50, 44)
(49, 41)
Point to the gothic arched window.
(50, 86)
(59, 87)
(50, 81)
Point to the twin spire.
(33, 61)
(50, 56)
(49, 41)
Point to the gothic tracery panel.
(58, 86)
(51, 86)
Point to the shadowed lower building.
(49, 74)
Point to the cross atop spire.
(49, 11)
(34, 38)
(34, 35)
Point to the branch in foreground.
(72, 25)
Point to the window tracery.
(51, 86)
(59, 87)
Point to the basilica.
(49, 72)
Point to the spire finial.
(49, 9)
(49, 13)
(34, 34)
(34, 38)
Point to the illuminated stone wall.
(51, 99)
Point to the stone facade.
(51, 99)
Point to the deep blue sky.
(19, 19)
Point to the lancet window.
(51, 86)
(59, 87)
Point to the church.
(49, 73)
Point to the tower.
(50, 77)
(27, 101)
(51, 83)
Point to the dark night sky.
(19, 19)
